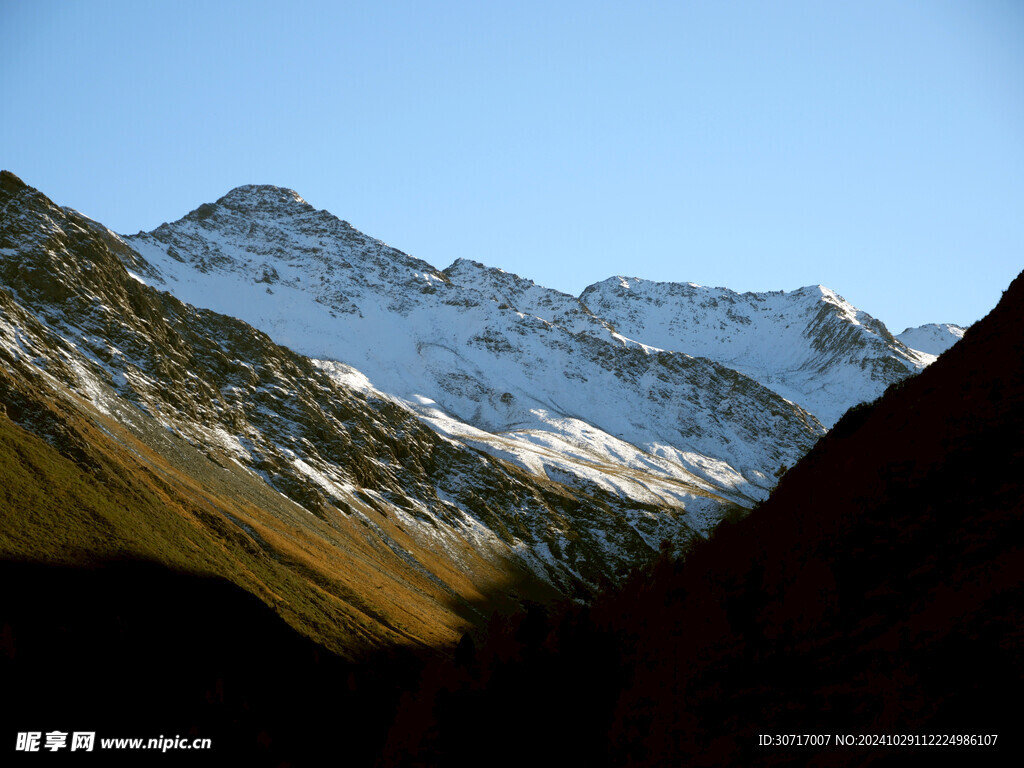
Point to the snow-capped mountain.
(809, 345)
(933, 338)
(525, 373)
(403, 437)
(257, 463)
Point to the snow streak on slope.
(520, 371)
(809, 345)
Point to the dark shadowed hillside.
(878, 591)
(135, 650)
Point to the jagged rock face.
(526, 296)
(808, 345)
(523, 372)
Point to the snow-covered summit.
(660, 392)
(265, 201)
(519, 370)
(933, 338)
(810, 345)
(264, 197)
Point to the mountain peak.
(10, 183)
(466, 264)
(263, 201)
(469, 267)
(257, 198)
(933, 338)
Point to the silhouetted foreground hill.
(878, 591)
(135, 650)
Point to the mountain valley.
(269, 480)
(404, 439)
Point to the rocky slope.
(454, 430)
(809, 345)
(397, 532)
(876, 594)
(522, 372)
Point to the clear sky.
(874, 147)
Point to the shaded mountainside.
(877, 591)
(133, 650)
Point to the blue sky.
(874, 147)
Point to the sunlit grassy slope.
(105, 494)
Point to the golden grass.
(116, 496)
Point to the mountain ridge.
(363, 478)
(875, 595)
(469, 352)
(808, 344)
(875, 591)
(884, 360)
(487, 425)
